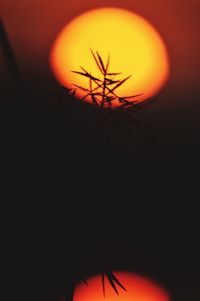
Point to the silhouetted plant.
(102, 90)
(113, 280)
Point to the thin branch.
(106, 87)
(103, 283)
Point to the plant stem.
(104, 89)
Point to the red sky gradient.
(33, 25)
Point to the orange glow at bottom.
(137, 289)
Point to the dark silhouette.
(103, 90)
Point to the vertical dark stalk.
(9, 57)
(104, 89)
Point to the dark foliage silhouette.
(102, 90)
(113, 281)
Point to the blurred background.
(85, 191)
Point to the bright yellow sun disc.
(135, 48)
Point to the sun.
(137, 288)
(134, 46)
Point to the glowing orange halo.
(137, 287)
(134, 45)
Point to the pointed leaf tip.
(101, 63)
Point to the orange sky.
(33, 25)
